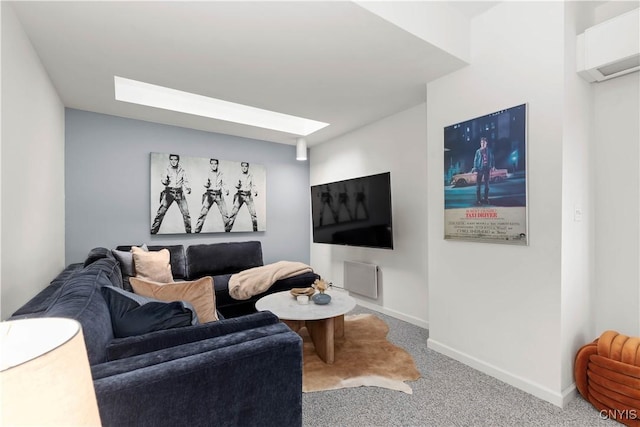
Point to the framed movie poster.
(485, 178)
(202, 195)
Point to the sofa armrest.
(254, 382)
(158, 340)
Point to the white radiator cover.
(361, 278)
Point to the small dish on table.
(296, 292)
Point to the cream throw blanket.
(256, 280)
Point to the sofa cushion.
(222, 258)
(198, 293)
(177, 259)
(141, 344)
(221, 284)
(133, 314)
(80, 299)
(125, 258)
(176, 255)
(126, 262)
(44, 298)
(153, 266)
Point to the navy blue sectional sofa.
(221, 260)
(239, 371)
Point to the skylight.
(137, 92)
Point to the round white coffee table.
(324, 322)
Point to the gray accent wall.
(107, 184)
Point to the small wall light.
(301, 149)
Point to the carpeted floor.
(448, 394)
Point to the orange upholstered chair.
(607, 373)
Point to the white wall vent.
(361, 278)
(610, 49)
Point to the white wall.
(396, 144)
(498, 307)
(577, 282)
(617, 138)
(32, 170)
(434, 21)
(1, 20)
(519, 313)
(616, 168)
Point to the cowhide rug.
(363, 357)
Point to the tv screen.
(353, 212)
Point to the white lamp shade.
(301, 149)
(45, 374)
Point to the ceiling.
(331, 61)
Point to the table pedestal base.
(322, 333)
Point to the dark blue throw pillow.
(135, 315)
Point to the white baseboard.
(541, 392)
(396, 314)
(568, 394)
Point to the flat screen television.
(353, 212)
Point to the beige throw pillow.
(199, 293)
(153, 265)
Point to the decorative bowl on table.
(296, 292)
(321, 299)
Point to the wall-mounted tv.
(353, 212)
